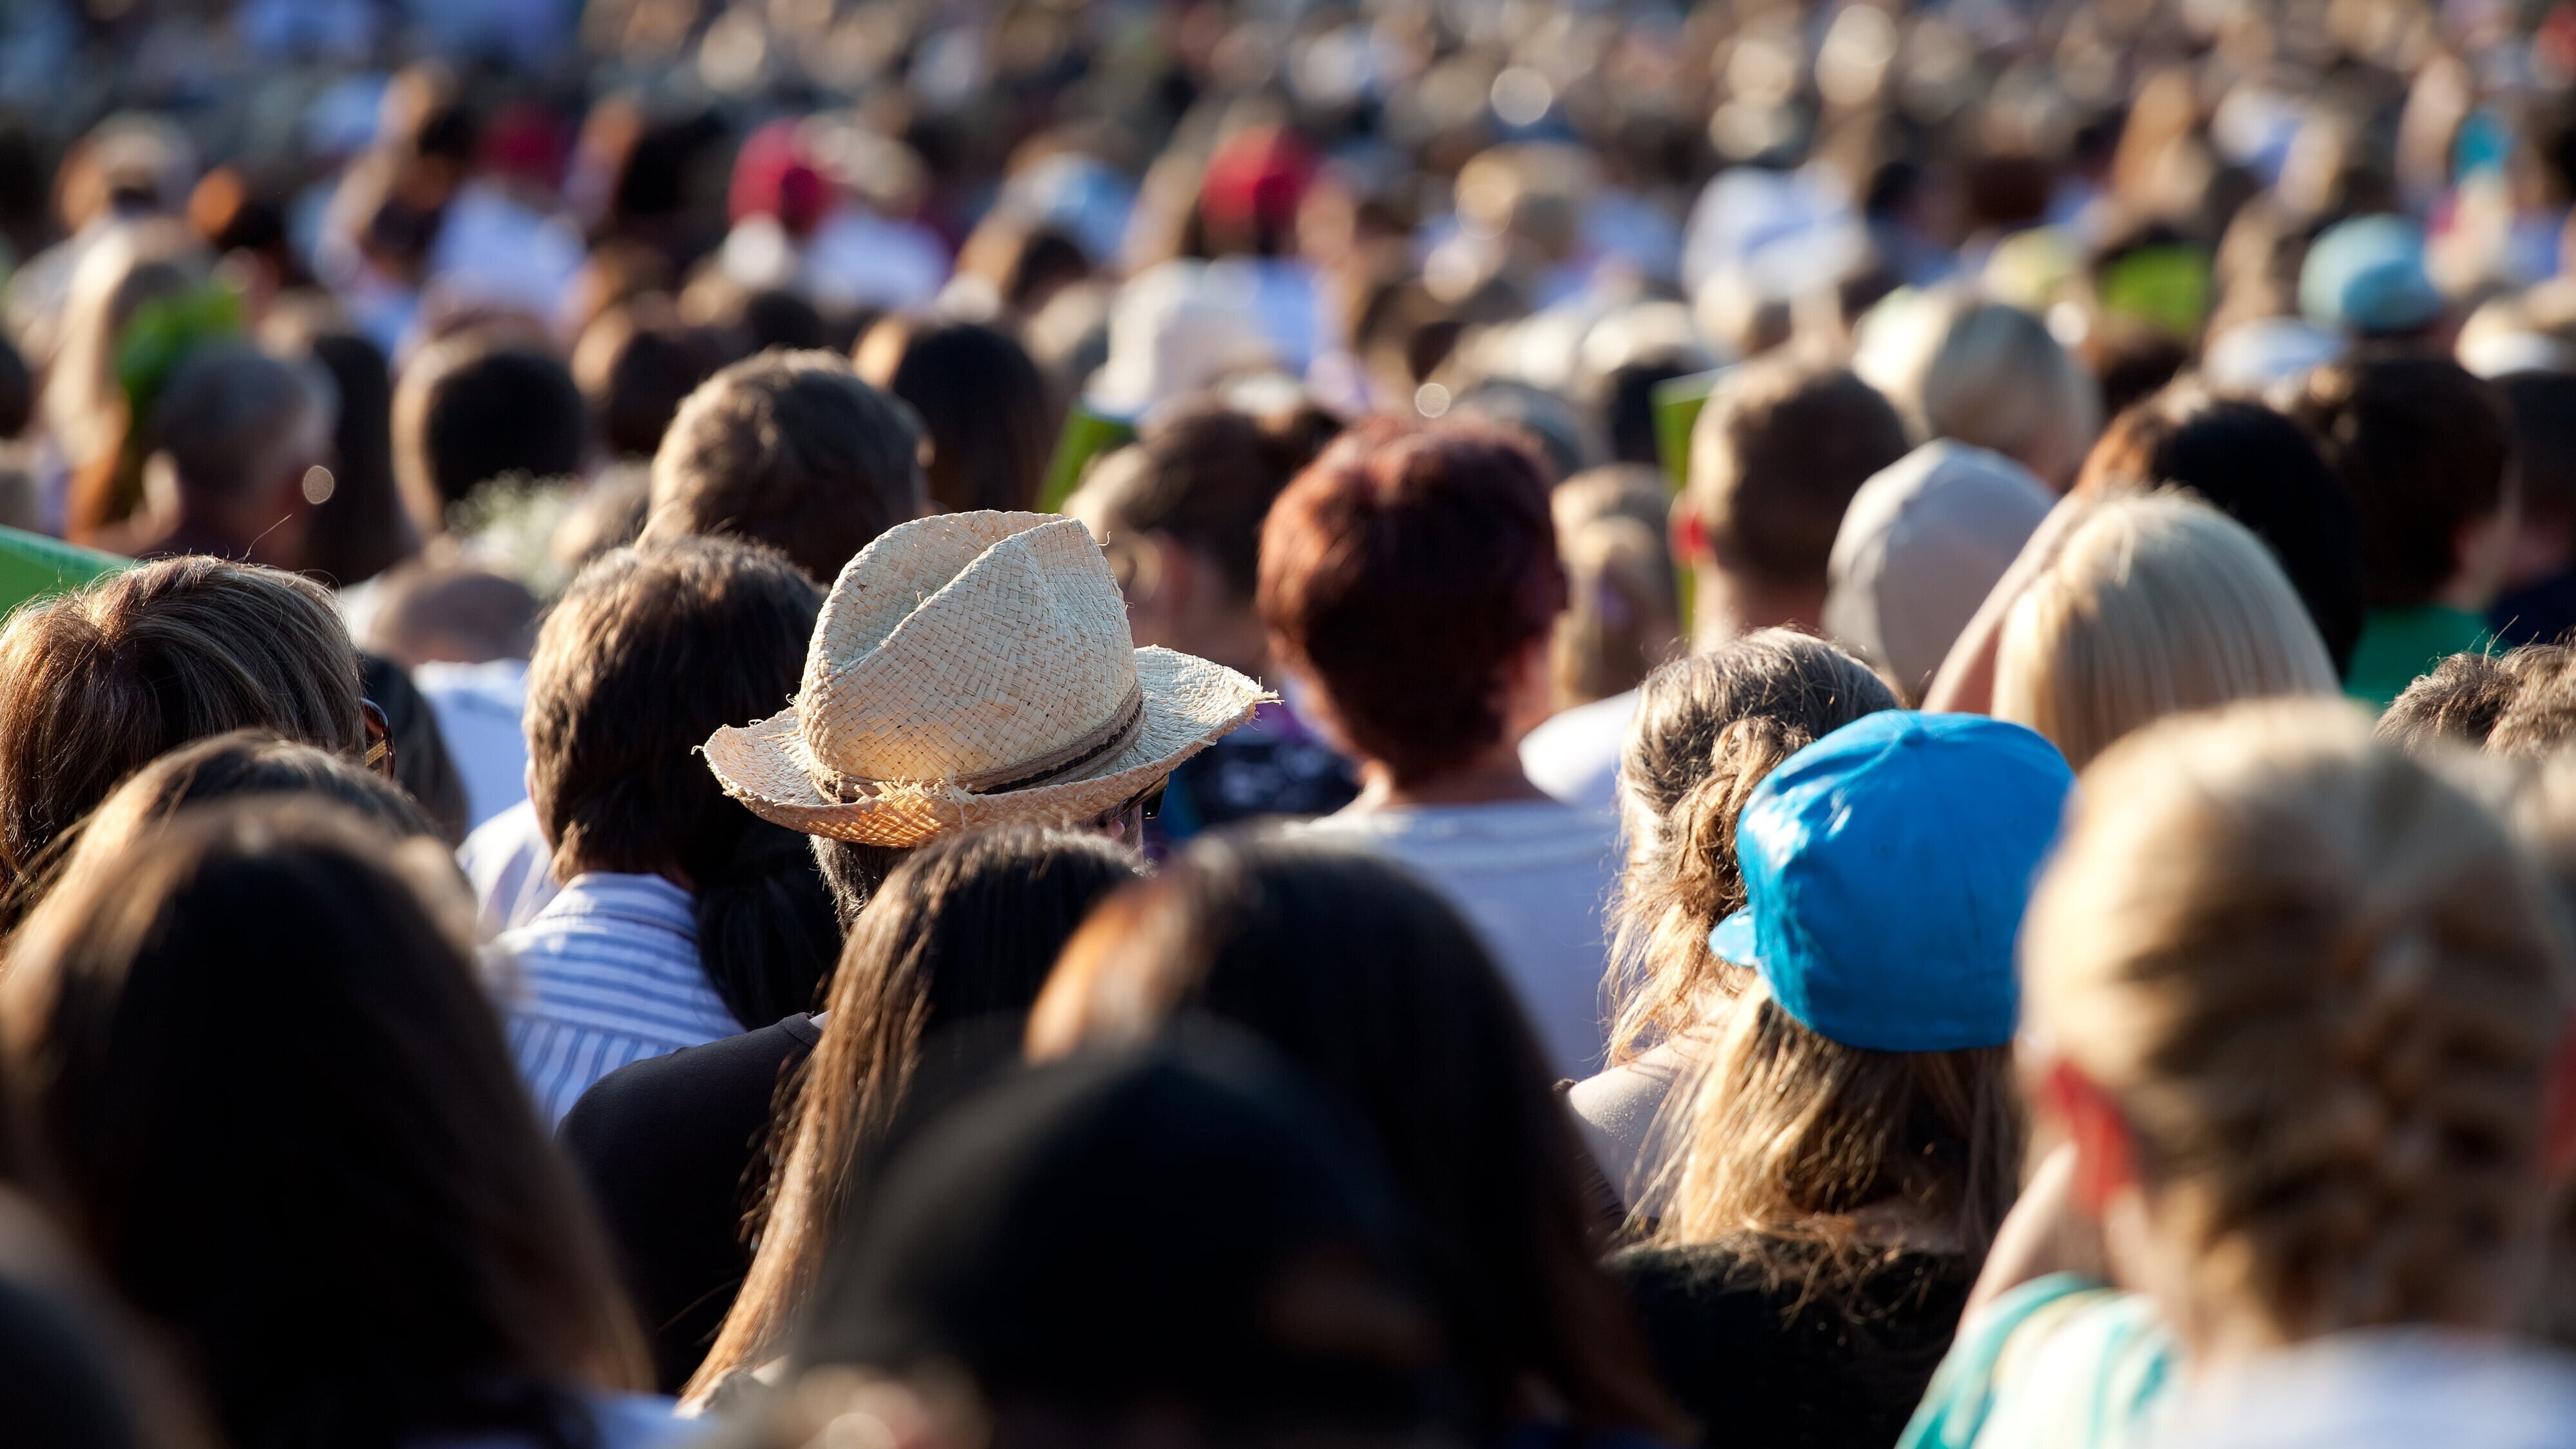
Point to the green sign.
(1677, 402)
(1087, 434)
(33, 566)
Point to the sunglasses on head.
(380, 738)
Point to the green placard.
(32, 566)
(1677, 401)
(1087, 434)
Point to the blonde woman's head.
(2309, 994)
(2152, 606)
(1998, 380)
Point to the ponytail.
(767, 935)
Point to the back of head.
(635, 365)
(991, 423)
(1775, 458)
(2153, 605)
(1206, 475)
(1405, 572)
(1623, 609)
(359, 531)
(96, 684)
(2421, 445)
(1709, 727)
(2543, 406)
(2324, 988)
(789, 449)
(452, 613)
(277, 1101)
(2257, 467)
(612, 766)
(1378, 990)
(232, 420)
(469, 410)
(1999, 381)
(2520, 705)
(1922, 544)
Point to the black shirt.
(1758, 1370)
(672, 1149)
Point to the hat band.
(1087, 749)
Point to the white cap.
(1922, 544)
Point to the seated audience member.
(635, 364)
(1622, 618)
(1179, 516)
(1851, 1137)
(469, 410)
(791, 450)
(2520, 705)
(1775, 458)
(958, 941)
(2257, 467)
(1410, 582)
(278, 1111)
(2261, 909)
(1380, 993)
(2421, 445)
(237, 434)
(682, 918)
(2150, 606)
(992, 425)
(464, 634)
(2538, 602)
(1172, 1243)
(1709, 727)
(1922, 544)
(96, 684)
(972, 670)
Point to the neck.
(1493, 777)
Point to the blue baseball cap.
(1885, 869)
(2367, 276)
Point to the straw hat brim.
(1190, 703)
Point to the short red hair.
(1402, 572)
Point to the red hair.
(1402, 573)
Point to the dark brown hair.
(649, 652)
(2421, 444)
(789, 449)
(1206, 474)
(281, 1114)
(991, 423)
(468, 410)
(1775, 459)
(636, 362)
(1375, 987)
(97, 683)
(1402, 573)
(966, 927)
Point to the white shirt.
(605, 975)
(1574, 756)
(478, 708)
(1533, 878)
(511, 868)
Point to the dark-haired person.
(956, 943)
(1410, 583)
(2422, 446)
(1179, 514)
(789, 449)
(1382, 995)
(682, 918)
(986, 408)
(2538, 604)
(240, 433)
(636, 363)
(97, 683)
(279, 1114)
(2259, 468)
(470, 409)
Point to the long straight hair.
(966, 927)
(278, 1109)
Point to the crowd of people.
(897, 726)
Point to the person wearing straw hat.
(971, 670)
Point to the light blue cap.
(2367, 276)
(1886, 867)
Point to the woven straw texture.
(962, 647)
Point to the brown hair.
(95, 684)
(2521, 705)
(1402, 573)
(991, 421)
(469, 409)
(1207, 474)
(966, 927)
(2422, 445)
(2325, 987)
(789, 449)
(1623, 607)
(1375, 987)
(281, 1112)
(1775, 458)
(1708, 728)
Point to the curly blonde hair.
(2325, 987)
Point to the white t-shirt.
(1574, 756)
(478, 708)
(1533, 879)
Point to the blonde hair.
(2325, 987)
(1998, 380)
(1708, 729)
(1623, 607)
(2153, 605)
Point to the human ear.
(2106, 1160)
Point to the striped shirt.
(605, 975)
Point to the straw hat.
(973, 669)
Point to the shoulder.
(743, 1069)
(2060, 1360)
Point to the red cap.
(1257, 176)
